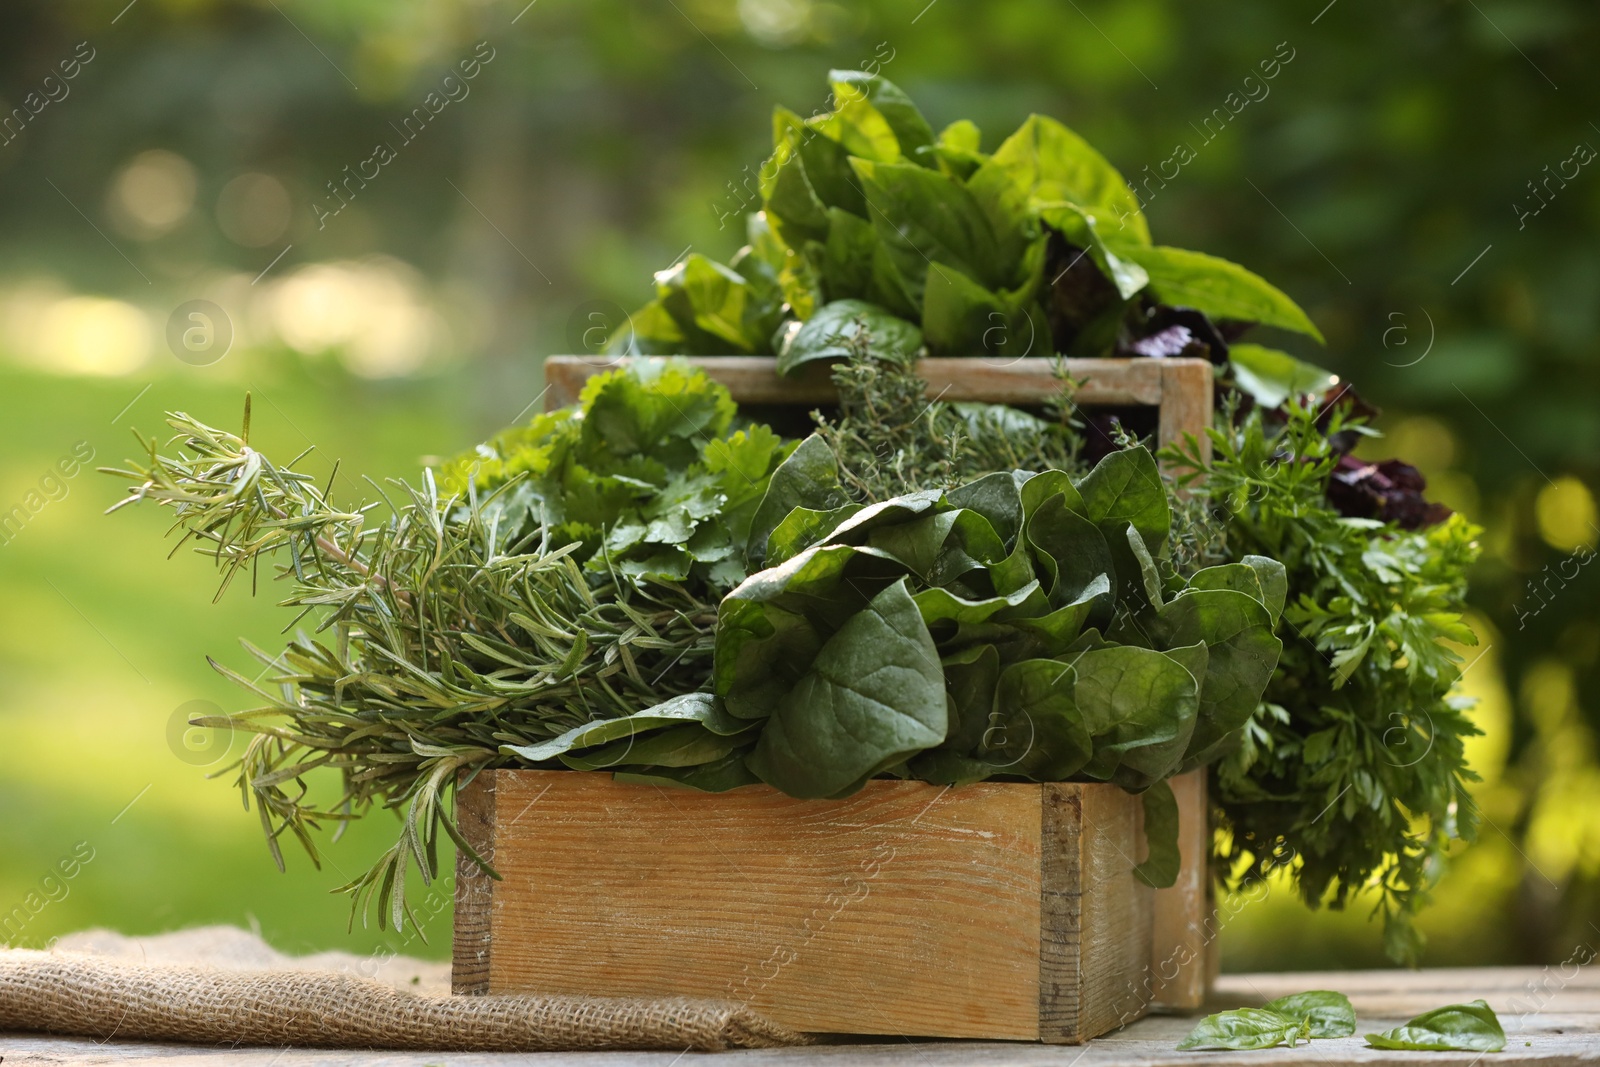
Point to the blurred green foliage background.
(1392, 177)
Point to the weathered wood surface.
(1551, 1017)
(994, 910)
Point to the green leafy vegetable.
(1245, 1028)
(1271, 377)
(1329, 1014)
(1221, 289)
(1456, 1028)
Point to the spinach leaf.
(1036, 729)
(873, 697)
(1221, 289)
(1162, 859)
(1329, 1014)
(1457, 1027)
(827, 334)
(1244, 1028)
(808, 478)
(1126, 487)
(1242, 652)
(718, 776)
(677, 746)
(690, 708)
(1139, 705)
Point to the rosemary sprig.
(436, 643)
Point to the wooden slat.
(755, 380)
(1182, 943)
(472, 940)
(906, 908)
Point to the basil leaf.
(1221, 289)
(1162, 857)
(873, 697)
(1329, 1014)
(922, 216)
(1455, 1028)
(1272, 377)
(1243, 1028)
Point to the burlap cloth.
(221, 985)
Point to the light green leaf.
(1329, 1014)
(1272, 377)
(1243, 1028)
(911, 130)
(1221, 289)
(679, 746)
(1455, 1028)
(701, 708)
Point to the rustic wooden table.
(1551, 1016)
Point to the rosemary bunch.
(436, 642)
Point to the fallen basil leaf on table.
(1245, 1028)
(1454, 1028)
(1329, 1014)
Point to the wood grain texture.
(1182, 947)
(755, 380)
(472, 940)
(906, 908)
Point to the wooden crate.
(990, 911)
(1182, 962)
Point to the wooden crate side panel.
(755, 380)
(1117, 911)
(473, 937)
(905, 909)
(1180, 969)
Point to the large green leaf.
(1271, 377)
(715, 299)
(1237, 632)
(808, 478)
(873, 697)
(1038, 730)
(1162, 859)
(678, 746)
(1044, 161)
(922, 216)
(828, 335)
(691, 708)
(1221, 289)
(1139, 706)
(962, 318)
(1126, 487)
(1263, 580)
(911, 130)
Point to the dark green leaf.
(873, 697)
(827, 335)
(1162, 859)
(1139, 706)
(1126, 487)
(809, 478)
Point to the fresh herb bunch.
(450, 628)
(1036, 248)
(1352, 772)
(889, 438)
(641, 474)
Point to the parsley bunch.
(1351, 773)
